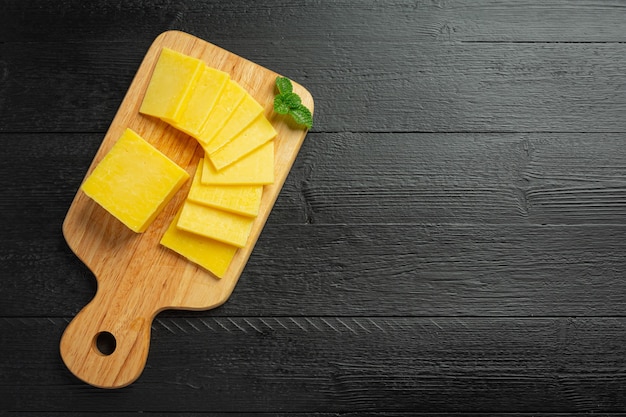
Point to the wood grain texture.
(384, 270)
(462, 178)
(458, 178)
(335, 364)
(403, 87)
(462, 190)
(403, 20)
(300, 414)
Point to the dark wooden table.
(452, 237)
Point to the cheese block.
(244, 114)
(208, 253)
(134, 181)
(174, 76)
(202, 99)
(221, 225)
(239, 199)
(259, 132)
(255, 168)
(226, 104)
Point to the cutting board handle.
(107, 343)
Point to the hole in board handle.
(105, 343)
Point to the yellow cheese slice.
(255, 168)
(174, 76)
(244, 114)
(134, 181)
(259, 132)
(202, 99)
(228, 101)
(221, 225)
(239, 199)
(208, 253)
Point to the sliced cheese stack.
(218, 214)
(209, 106)
(258, 133)
(239, 199)
(173, 79)
(202, 98)
(214, 221)
(255, 168)
(211, 254)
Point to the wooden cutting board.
(137, 278)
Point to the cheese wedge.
(226, 104)
(168, 92)
(255, 168)
(208, 253)
(244, 114)
(239, 199)
(134, 181)
(221, 225)
(259, 132)
(202, 99)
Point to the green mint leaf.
(284, 85)
(302, 116)
(280, 106)
(288, 102)
(292, 100)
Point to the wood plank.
(529, 21)
(298, 414)
(466, 20)
(325, 364)
(375, 86)
(435, 270)
(460, 178)
(401, 269)
(357, 178)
